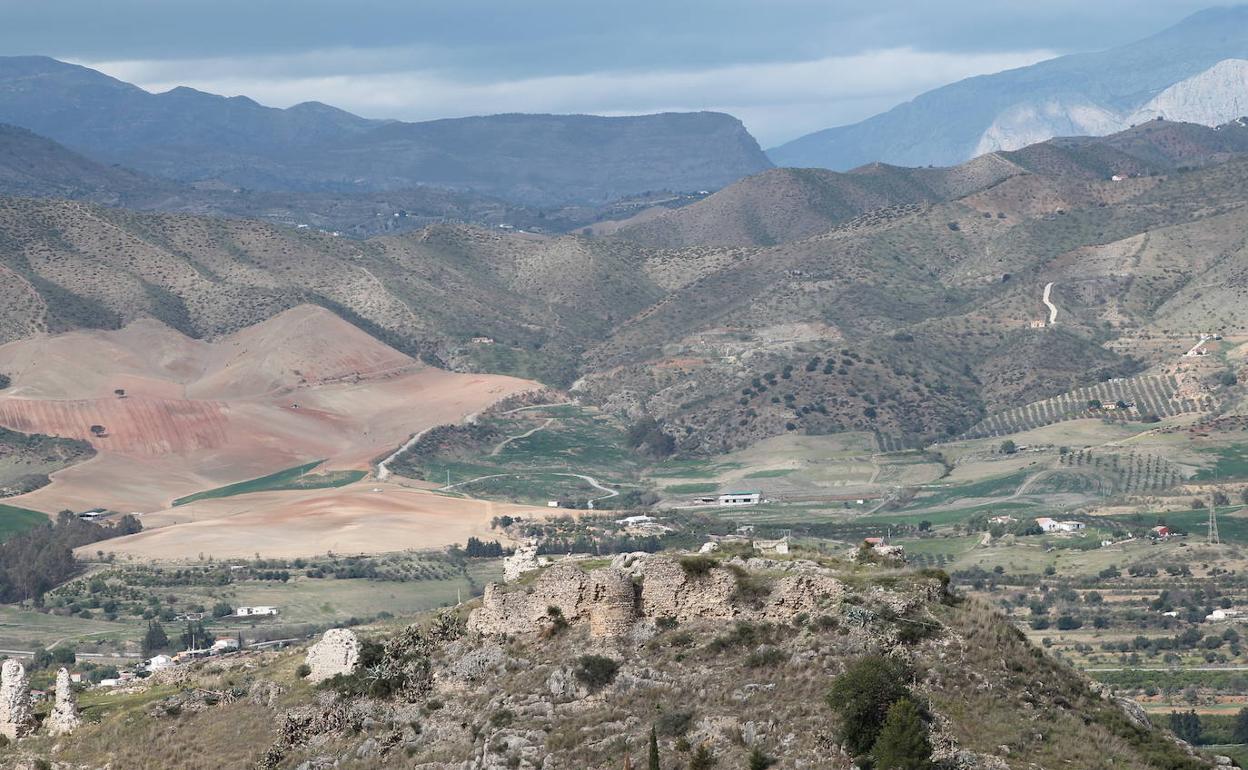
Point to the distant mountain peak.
(1089, 93)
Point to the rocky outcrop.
(338, 652)
(16, 718)
(64, 718)
(612, 600)
(523, 560)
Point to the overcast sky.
(785, 67)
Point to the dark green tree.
(653, 764)
(155, 639)
(1240, 731)
(862, 697)
(1186, 725)
(903, 742)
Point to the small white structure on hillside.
(1049, 525)
(249, 612)
(158, 663)
(731, 498)
(1222, 615)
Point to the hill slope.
(191, 136)
(1093, 93)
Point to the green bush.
(674, 723)
(863, 695)
(697, 565)
(596, 671)
(303, 670)
(903, 743)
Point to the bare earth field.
(351, 520)
(181, 415)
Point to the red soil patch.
(302, 386)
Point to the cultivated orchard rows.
(1151, 394)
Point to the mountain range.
(208, 140)
(1194, 71)
(899, 301)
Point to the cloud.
(777, 100)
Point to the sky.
(785, 67)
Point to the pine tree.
(654, 750)
(903, 743)
(155, 639)
(702, 759)
(1240, 731)
(759, 760)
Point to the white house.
(227, 644)
(741, 498)
(1222, 615)
(159, 663)
(249, 612)
(1049, 525)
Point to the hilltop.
(678, 643)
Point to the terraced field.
(1152, 395)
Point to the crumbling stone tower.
(64, 718)
(16, 717)
(613, 607)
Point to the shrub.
(697, 565)
(903, 743)
(765, 657)
(303, 671)
(863, 695)
(759, 760)
(674, 723)
(702, 759)
(596, 671)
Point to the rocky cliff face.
(1216, 96)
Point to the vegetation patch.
(297, 477)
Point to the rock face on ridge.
(612, 603)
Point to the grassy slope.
(14, 520)
(292, 478)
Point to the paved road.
(1048, 293)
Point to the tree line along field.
(108, 608)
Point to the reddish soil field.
(194, 415)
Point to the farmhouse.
(1049, 525)
(731, 498)
(1161, 532)
(249, 612)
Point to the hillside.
(168, 416)
(729, 344)
(789, 204)
(679, 651)
(195, 137)
(1088, 93)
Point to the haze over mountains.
(1190, 72)
(195, 137)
